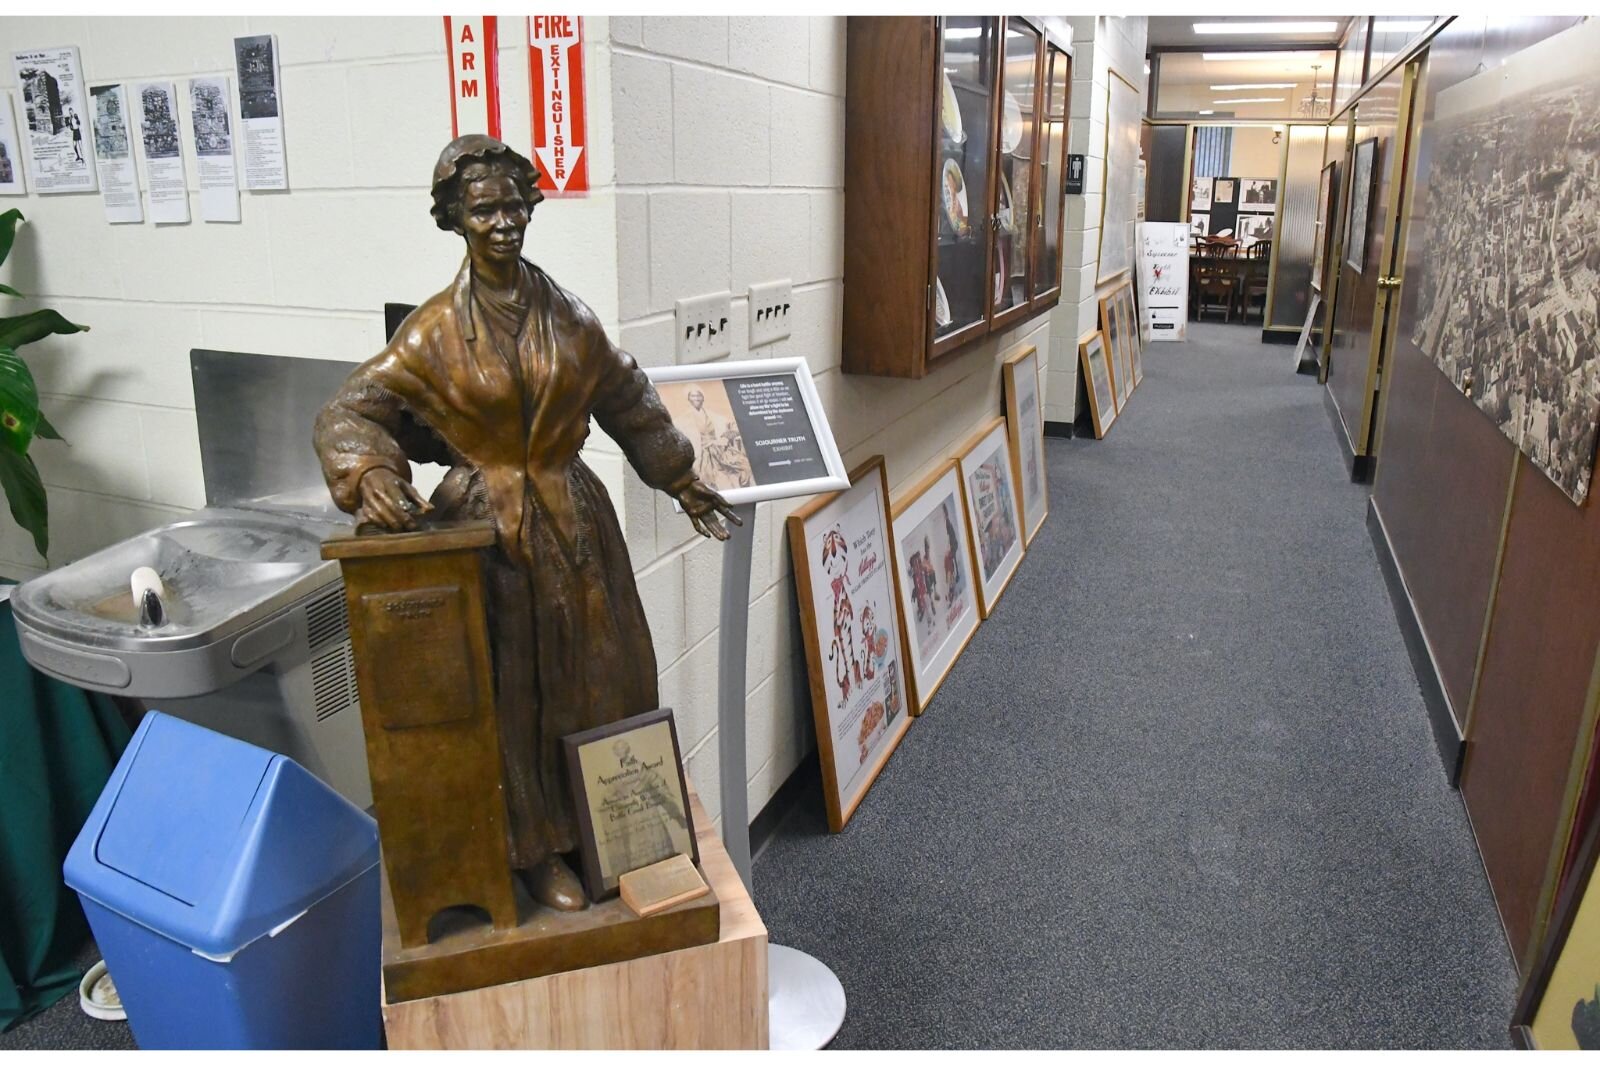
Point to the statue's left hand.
(706, 509)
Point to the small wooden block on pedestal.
(710, 996)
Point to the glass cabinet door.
(1013, 217)
(961, 173)
(1052, 173)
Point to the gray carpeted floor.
(1180, 791)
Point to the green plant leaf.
(25, 493)
(8, 231)
(19, 403)
(24, 329)
(8, 290)
(45, 430)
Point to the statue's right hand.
(391, 501)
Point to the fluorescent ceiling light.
(1252, 100)
(1265, 27)
(1304, 55)
(1256, 85)
(963, 33)
(1208, 112)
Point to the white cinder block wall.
(1103, 43)
(717, 157)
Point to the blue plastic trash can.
(233, 895)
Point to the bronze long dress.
(501, 392)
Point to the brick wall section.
(1102, 43)
(729, 136)
(717, 161)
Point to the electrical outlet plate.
(703, 327)
(771, 312)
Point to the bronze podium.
(427, 706)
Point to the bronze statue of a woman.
(496, 377)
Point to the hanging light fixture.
(1314, 105)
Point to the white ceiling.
(1177, 31)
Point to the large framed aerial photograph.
(1559, 1007)
(1503, 290)
(934, 578)
(995, 525)
(842, 545)
(1097, 376)
(1025, 425)
(630, 797)
(758, 428)
(1363, 177)
(1117, 208)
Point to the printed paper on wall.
(113, 154)
(260, 111)
(213, 148)
(53, 105)
(163, 152)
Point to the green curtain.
(58, 745)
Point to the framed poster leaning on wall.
(1559, 1007)
(934, 577)
(996, 528)
(842, 545)
(1025, 424)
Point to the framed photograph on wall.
(1200, 194)
(1254, 228)
(1111, 328)
(842, 546)
(934, 578)
(1363, 176)
(630, 796)
(1199, 224)
(1097, 376)
(1222, 190)
(757, 425)
(1258, 194)
(995, 525)
(1025, 425)
(1559, 1006)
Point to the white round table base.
(805, 1001)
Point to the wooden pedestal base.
(710, 996)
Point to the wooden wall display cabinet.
(955, 161)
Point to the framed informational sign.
(843, 551)
(758, 428)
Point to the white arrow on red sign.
(555, 71)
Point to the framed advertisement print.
(1363, 175)
(843, 551)
(1222, 191)
(1559, 1006)
(1135, 340)
(992, 518)
(934, 578)
(1097, 376)
(1025, 425)
(758, 428)
(1111, 329)
(1322, 225)
(630, 797)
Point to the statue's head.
(486, 192)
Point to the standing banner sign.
(1164, 279)
(473, 44)
(555, 75)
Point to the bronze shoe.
(553, 883)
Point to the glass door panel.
(961, 176)
(1052, 171)
(1016, 194)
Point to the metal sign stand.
(805, 1001)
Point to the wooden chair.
(1256, 280)
(1216, 286)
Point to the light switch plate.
(771, 311)
(703, 324)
